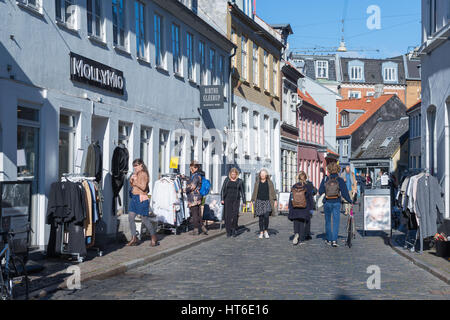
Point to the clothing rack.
(75, 178)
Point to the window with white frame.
(66, 12)
(244, 57)
(344, 119)
(159, 40)
(266, 70)
(95, 18)
(390, 74)
(190, 55)
(267, 136)
(366, 144)
(354, 94)
(256, 133)
(322, 69)
(124, 133)
(356, 73)
(245, 131)
(386, 142)
(212, 66)
(202, 53)
(140, 29)
(345, 148)
(221, 77)
(275, 76)
(176, 51)
(118, 22)
(67, 131)
(234, 40)
(255, 64)
(145, 145)
(33, 4)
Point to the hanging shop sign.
(96, 74)
(211, 97)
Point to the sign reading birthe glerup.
(211, 97)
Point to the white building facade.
(111, 71)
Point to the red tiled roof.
(334, 153)
(359, 104)
(307, 97)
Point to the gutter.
(435, 41)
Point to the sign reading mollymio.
(211, 97)
(96, 74)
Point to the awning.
(321, 156)
(307, 153)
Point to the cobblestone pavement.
(250, 268)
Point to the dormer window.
(386, 142)
(366, 144)
(322, 69)
(344, 119)
(356, 70)
(390, 72)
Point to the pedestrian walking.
(350, 181)
(140, 203)
(194, 198)
(301, 203)
(231, 195)
(264, 201)
(334, 188)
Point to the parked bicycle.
(351, 228)
(13, 274)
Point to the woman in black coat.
(231, 194)
(301, 216)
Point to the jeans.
(145, 220)
(332, 210)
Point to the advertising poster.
(283, 201)
(377, 213)
(213, 209)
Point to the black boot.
(234, 233)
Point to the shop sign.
(96, 74)
(211, 97)
(287, 146)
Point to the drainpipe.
(230, 89)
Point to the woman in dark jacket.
(231, 195)
(264, 201)
(301, 216)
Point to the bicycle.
(12, 269)
(351, 228)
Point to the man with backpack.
(334, 188)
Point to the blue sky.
(318, 23)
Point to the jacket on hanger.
(94, 162)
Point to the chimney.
(378, 90)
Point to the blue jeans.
(332, 209)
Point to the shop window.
(67, 131)
(163, 152)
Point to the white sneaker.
(260, 236)
(266, 235)
(295, 241)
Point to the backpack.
(332, 190)
(299, 197)
(206, 186)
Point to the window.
(354, 94)
(118, 21)
(370, 93)
(389, 74)
(163, 152)
(244, 70)
(366, 144)
(159, 52)
(190, 55)
(344, 119)
(386, 142)
(28, 123)
(176, 53)
(267, 136)
(344, 148)
(140, 29)
(356, 73)
(233, 116)
(255, 65)
(95, 18)
(222, 73)
(146, 135)
(245, 130)
(308, 130)
(124, 134)
(202, 53)
(256, 133)
(266, 70)
(275, 77)
(66, 12)
(67, 127)
(322, 69)
(212, 66)
(34, 4)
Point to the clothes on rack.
(94, 161)
(168, 202)
(119, 170)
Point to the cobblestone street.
(250, 268)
